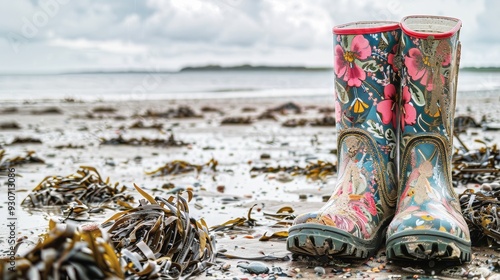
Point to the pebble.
(320, 271)
(284, 177)
(255, 267)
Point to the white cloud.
(120, 34)
(112, 46)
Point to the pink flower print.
(338, 111)
(420, 68)
(387, 106)
(345, 65)
(342, 223)
(370, 203)
(408, 114)
(391, 56)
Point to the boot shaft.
(430, 52)
(366, 90)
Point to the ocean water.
(199, 85)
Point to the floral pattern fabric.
(426, 198)
(366, 90)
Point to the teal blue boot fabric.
(428, 224)
(353, 222)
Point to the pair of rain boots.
(395, 88)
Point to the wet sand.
(220, 196)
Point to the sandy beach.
(72, 135)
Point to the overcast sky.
(74, 35)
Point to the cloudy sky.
(72, 35)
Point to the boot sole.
(426, 245)
(320, 240)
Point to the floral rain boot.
(353, 222)
(428, 224)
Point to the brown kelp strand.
(295, 123)
(30, 157)
(25, 140)
(177, 167)
(67, 252)
(47, 111)
(247, 221)
(462, 123)
(267, 115)
(481, 211)
(324, 122)
(69, 146)
(476, 166)
(85, 185)
(181, 112)
(104, 109)
(9, 125)
(142, 125)
(170, 141)
(313, 171)
(159, 239)
(284, 216)
(237, 120)
(287, 107)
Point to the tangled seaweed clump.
(86, 186)
(181, 112)
(66, 252)
(180, 167)
(30, 157)
(476, 166)
(159, 239)
(481, 211)
(158, 142)
(314, 171)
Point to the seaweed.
(247, 221)
(295, 123)
(30, 157)
(287, 107)
(159, 239)
(208, 109)
(181, 112)
(141, 125)
(66, 252)
(158, 142)
(25, 140)
(180, 167)
(47, 111)
(69, 146)
(267, 115)
(476, 166)
(104, 109)
(85, 185)
(9, 125)
(313, 171)
(237, 120)
(481, 211)
(323, 121)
